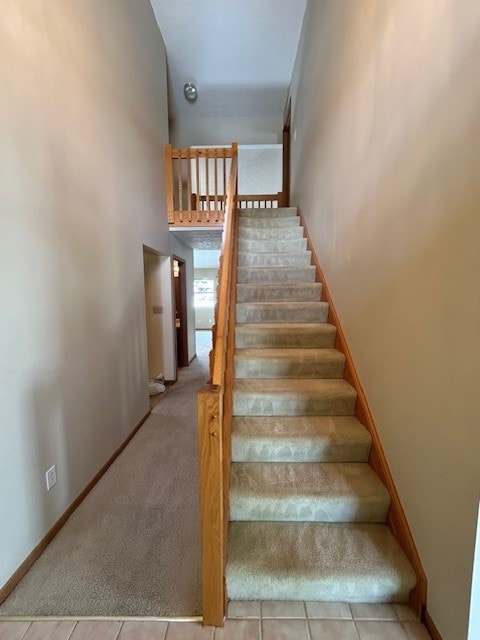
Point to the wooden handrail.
(214, 422)
(224, 281)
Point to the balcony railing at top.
(197, 185)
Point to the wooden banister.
(214, 420)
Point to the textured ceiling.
(200, 238)
(240, 53)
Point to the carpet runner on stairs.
(308, 512)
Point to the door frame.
(180, 293)
(287, 122)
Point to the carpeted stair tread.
(279, 312)
(274, 259)
(312, 335)
(299, 439)
(270, 292)
(330, 562)
(273, 246)
(276, 233)
(293, 397)
(268, 223)
(272, 275)
(288, 363)
(279, 212)
(307, 492)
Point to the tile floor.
(246, 621)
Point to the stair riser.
(275, 404)
(271, 234)
(272, 293)
(299, 259)
(280, 212)
(249, 368)
(273, 246)
(276, 339)
(268, 223)
(275, 275)
(333, 509)
(385, 588)
(302, 450)
(257, 314)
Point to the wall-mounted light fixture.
(190, 91)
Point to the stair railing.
(215, 409)
(246, 201)
(196, 184)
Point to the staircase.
(307, 511)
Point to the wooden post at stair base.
(211, 503)
(169, 182)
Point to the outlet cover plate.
(51, 477)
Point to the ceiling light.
(190, 91)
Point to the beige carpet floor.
(132, 547)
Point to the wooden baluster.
(224, 176)
(207, 186)
(215, 160)
(180, 185)
(189, 185)
(197, 170)
(169, 183)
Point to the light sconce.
(190, 91)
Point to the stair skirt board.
(307, 511)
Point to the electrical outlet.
(51, 477)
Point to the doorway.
(181, 328)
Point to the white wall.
(218, 131)
(386, 103)
(259, 168)
(181, 250)
(84, 122)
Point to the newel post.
(210, 409)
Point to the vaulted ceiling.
(239, 53)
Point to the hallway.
(132, 547)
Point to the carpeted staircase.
(307, 510)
